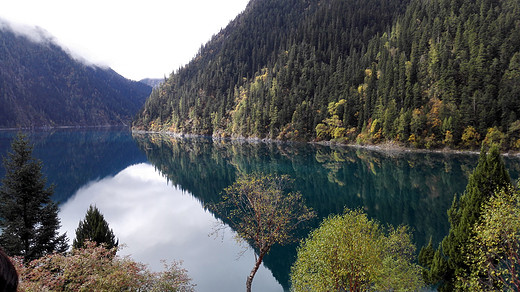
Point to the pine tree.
(449, 261)
(94, 228)
(28, 217)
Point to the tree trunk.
(249, 281)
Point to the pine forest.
(423, 73)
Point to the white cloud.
(32, 32)
(137, 39)
(39, 35)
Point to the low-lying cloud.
(33, 33)
(39, 35)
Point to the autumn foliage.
(263, 212)
(96, 268)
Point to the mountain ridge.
(44, 85)
(425, 74)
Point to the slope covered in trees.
(425, 73)
(41, 85)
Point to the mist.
(39, 35)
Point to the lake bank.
(387, 147)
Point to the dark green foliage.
(41, 85)
(94, 228)
(426, 256)
(450, 259)
(270, 72)
(28, 218)
(274, 70)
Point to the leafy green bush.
(350, 252)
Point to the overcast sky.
(138, 39)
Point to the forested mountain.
(41, 85)
(424, 73)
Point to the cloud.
(33, 33)
(137, 39)
(39, 35)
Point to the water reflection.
(158, 221)
(73, 157)
(396, 188)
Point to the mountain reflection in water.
(156, 221)
(156, 192)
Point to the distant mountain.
(422, 73)
(152, 82)
(41, 85)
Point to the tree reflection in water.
(413, 188)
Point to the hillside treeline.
(42, 85)
(424, 73)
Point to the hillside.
(423, 73)
(41, 85)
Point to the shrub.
(96, 268)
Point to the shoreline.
(388, 147)
(49, 128)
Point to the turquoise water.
(152, 190)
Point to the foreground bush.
(494, 249)
(350, 252)
(98, 269)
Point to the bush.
(96, 268)
(350, 252)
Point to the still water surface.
(152, 190)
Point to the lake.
(152, 190)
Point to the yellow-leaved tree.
(262, 212)
(494, 250)
(351, 252)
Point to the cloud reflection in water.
(159, 221)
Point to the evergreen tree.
(450, 260)
(275, 70)
(28, 218)
(94, 228)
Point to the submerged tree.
(94, 228)
(263, 213)
(28, 217)
(350, 252)
(449, 262)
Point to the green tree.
(426, 256)
(495, 247)
(28, 217)
(94, 228)
(449, 261)
(263, 213)
(350, 252)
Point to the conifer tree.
(94, 228)
(28, 217)
(450, 259)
